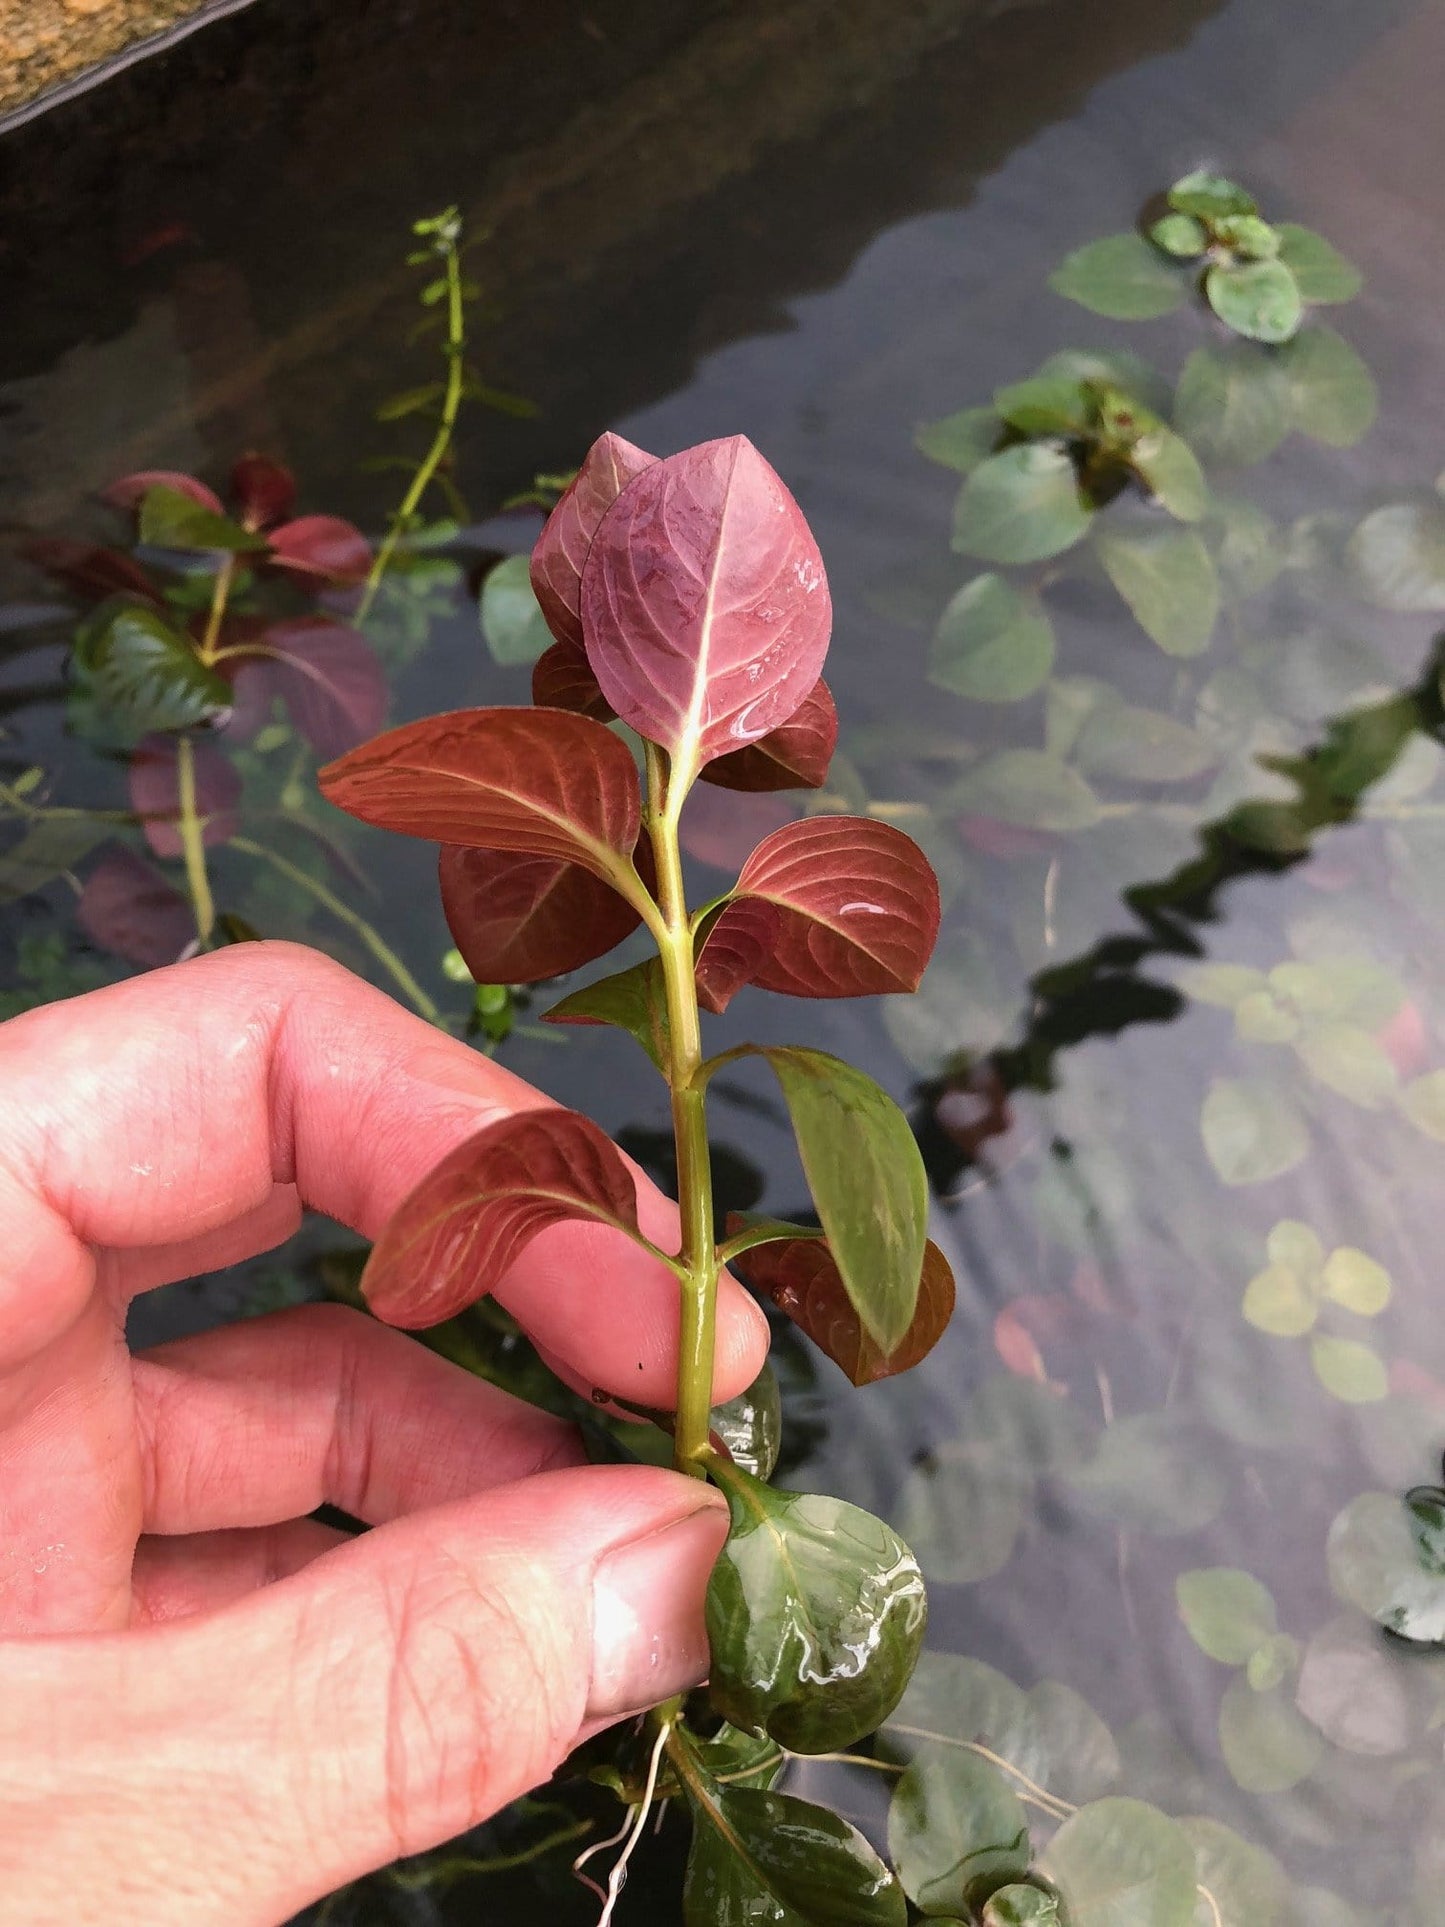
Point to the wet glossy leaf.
(750, 1426)
(1260, 300)
(956, 1832)
(768, 1860)
(1375, 1564)
(453, 1238)
(1166, 465)
(793, 756)
(959, 441)
(129, 908)
(799, 1277)
(1021, 506)
(742, 1759)
(1022, 1905)
(1332, 394)
(633, 1000)
(1397, 556)
(704, 602)
(1348, 1370)
(1148, 1473)
(562, 678)
(992, 643)
(536, 781)
(142, 674)
(512, 621)
(326, 674)
(172, 520)
(1321, 273)
(1141, 745)
(153, 782)
(1047, 404)
(1239, 1884)
(321, 545)
(1267, 1744)
(1181, 235)
(517, 918)
(1423, 1102)
(131, 490)
(1122, 1863)
(1121, 276)
(47, 847)
(1354, 1280)
(1027, 787)
(815, 1616)
(561, 549)
(263, 491)
(1228, 1613)
(1167, 577)
(1252, 1131)
(1211, 197)
(733, 943)
(1279, 1301)
(1233, 403)
(1347, 1059)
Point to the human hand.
(212, 1708)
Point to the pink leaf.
(326, 674)
(562, 547)
(517, 919)
(794, 756)
(562, 678)
(263, 491)
(704, 603)
(733, 946)
(128, 492)
(128, 908)
(322, 545)
(155, 793)
(453, 1239)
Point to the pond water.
(1179, 1065)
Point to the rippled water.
(823, 227)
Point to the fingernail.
(648, 1636)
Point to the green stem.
(372, 938)
(455, 349)
(193, 842)
(220, 594)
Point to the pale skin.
(212, 1708)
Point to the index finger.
(159, 1110)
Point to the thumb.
(389, 1696)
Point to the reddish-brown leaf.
(561, 549)
(705, 606)
(155, 793)
(129, 908)
(798, 1275)
(453, 1239)
(794, 756)
(321, 545)
(537, 781)
(517, 919)
(562, 678)
(733, 944)
(326, 674)
(87, 569)
(263, 491)
(858, 904)
(129, 491)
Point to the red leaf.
(128, 907)
(326, 674)
(322, 545)
(128, 491)
(799, 1276)
(536, 781)
(155, 792)
(562, 678)
(453, 1239)
(721, 830)
(704, 603)
(794, 756)
(561, 548)
(858, 902)
(88, 569)
(516, 919)
(263, 491)
(733, 947)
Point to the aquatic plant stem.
(193, 842)
(210, 648)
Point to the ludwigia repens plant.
(689, 603)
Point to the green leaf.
(1122, 1863)
(1149, 1474)
(1425, 1515)
(1355, 1281)
(1246, 235)
(1332, 394)
(956, 1832)
(1123, 277)
(49, 847)
(1246, 1887)
(750, 1426)
(1349, 1371)
(1224, 985)
(1252, 1132)
(992, 643)
(1022, 1905)
(1264, 1019)
(142, 674)
(1166, 466)
(512, 621)
(1233, 403)
(1279, 1301)
(1228, 1613)
(1298, 1246)
(632, 999)
(1275, 1660)
(1210, 196)
(1375, 1565)
(1321, 273)
(1047, 404)
(815, 1616)
(1346, 1058)
(1169, 581)
(1028, 787)
(1023, 505)
(171, 520)
(1259, 301)
(769, 1860)
(1267, 1744)
(1423, 1102)
(959, 441)
(1141, 745)
(1112, 368)
(1397, 557)
(1180, 235)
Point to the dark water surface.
(822, 226)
